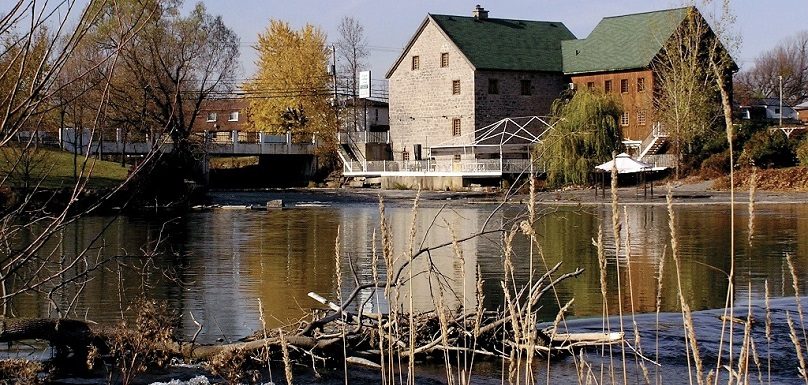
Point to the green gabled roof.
(622, 42)
(501, 44)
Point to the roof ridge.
(648, 12)
(496, 18)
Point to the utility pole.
(780, 77)
(334, 77)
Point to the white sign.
(364, 84)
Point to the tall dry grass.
(736, 361)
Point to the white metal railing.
(657, 131)
(661, 160)
(363, 137)
(466, 167)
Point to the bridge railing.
(465, 167)
(363, 137)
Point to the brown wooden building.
(618, 57)
(635, 89)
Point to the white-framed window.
(640, 84)
(624, 119)
(641, 117)
(211, 117)
(233, 116)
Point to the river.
(218, 265)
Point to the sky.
(389, 25)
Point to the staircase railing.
(657, 132)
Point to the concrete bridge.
(219, 143)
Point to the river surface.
(217, 266)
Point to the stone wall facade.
(426, 105)
(422, 103)
(510, 100)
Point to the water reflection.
(218, 264)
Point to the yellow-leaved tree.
(290, 91)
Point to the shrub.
(715, 165)
(802, 151)
(767, 149)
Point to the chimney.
(479, 13)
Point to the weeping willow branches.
(585, 136)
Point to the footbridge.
(221, 143)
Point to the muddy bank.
(695, 193)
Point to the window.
(455, 127)
(444, 60)
(607, 86)
(623, 86)
(211, 116)
(493, 86)
(525, 83)
(455, 87)
(233, 117)
(416, 62)
(640, 84)
(590, 85)
(624, 119)
(456, 157)
(641, 117)
(405, 155)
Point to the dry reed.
(287, 363)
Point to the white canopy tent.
(625, 164)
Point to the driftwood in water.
(365, 335)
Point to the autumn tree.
(688, 100)
(586, 134)
(290, 91)
(353, 51)
(789, 60)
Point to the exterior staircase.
(350, 153)
(654, 142)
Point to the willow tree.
(292, 77)
(585, 135)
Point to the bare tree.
(39, 87)
(688, 101)
(789, 60)
(353, 51)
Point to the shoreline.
(685, 194)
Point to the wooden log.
(586, 338)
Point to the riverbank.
(683, 193)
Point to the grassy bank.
(49, 168)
